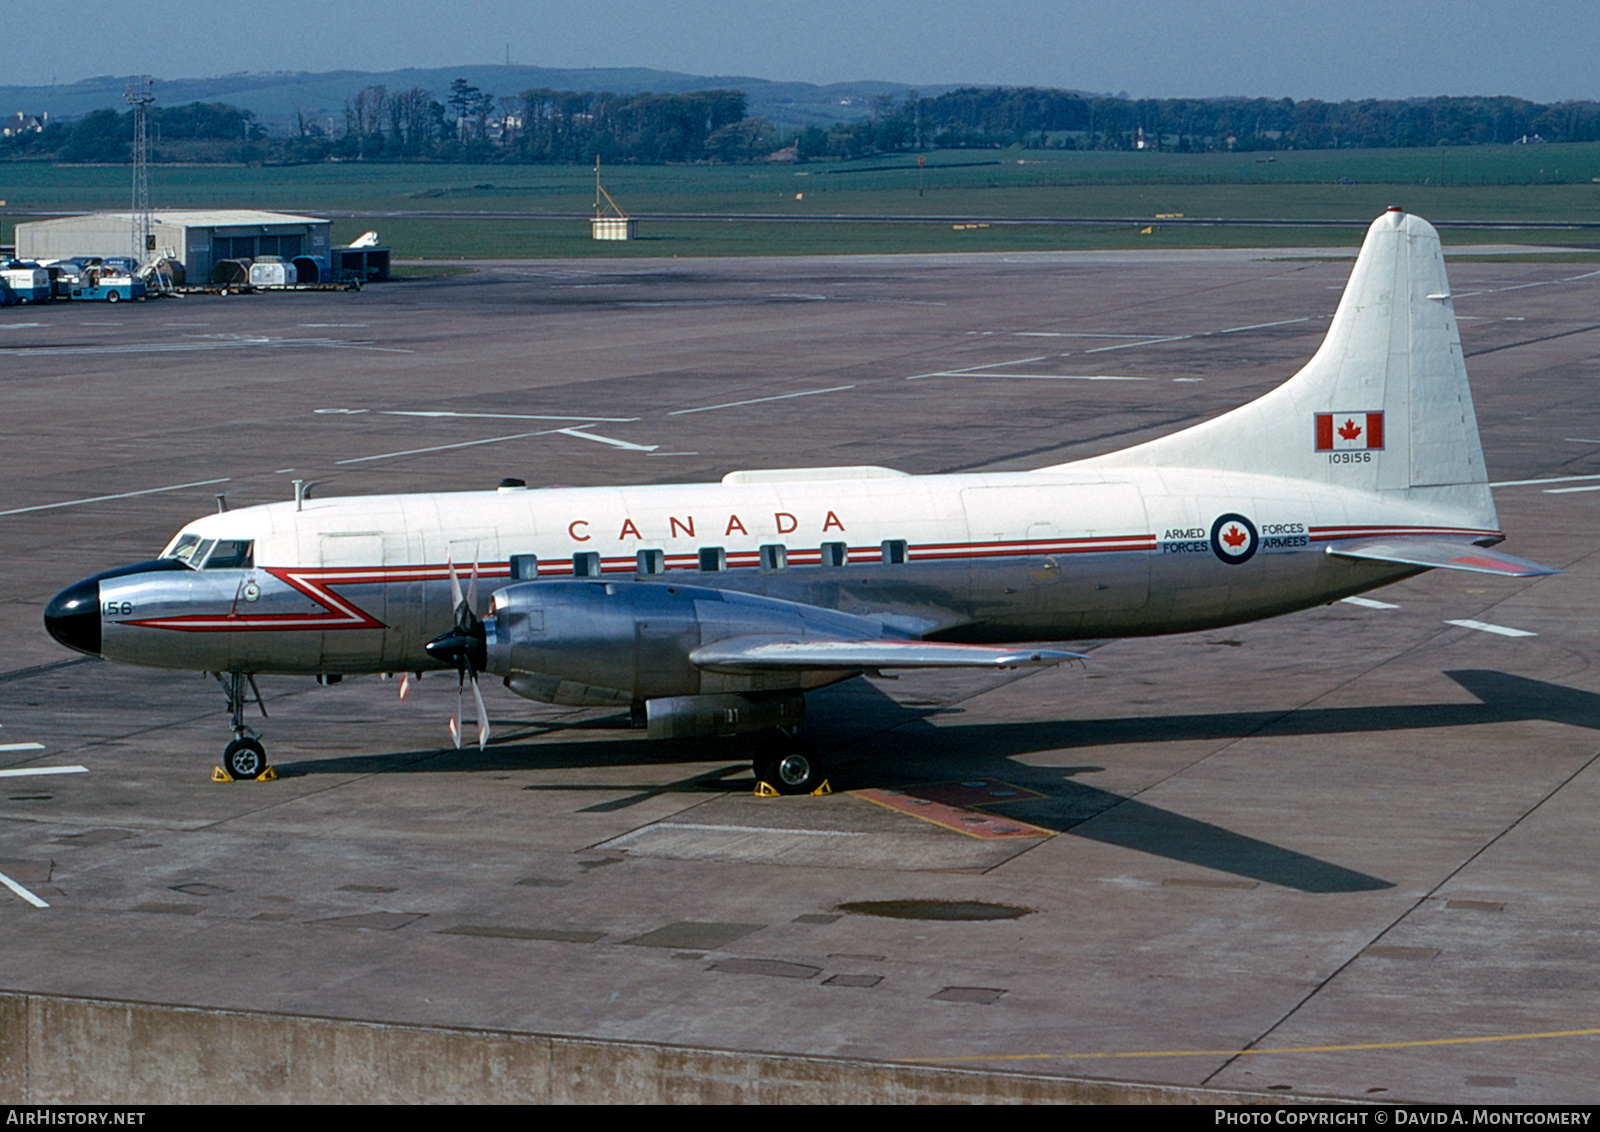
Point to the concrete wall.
(56, 1049)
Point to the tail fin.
(1382, 406)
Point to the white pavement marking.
(445, 447)
(1525, 286)
(1580, 440)
(1547, 479)
(1081, 334)
(28, 772)
(19, 747)
(491, 416)
(759, 400)
(1201, 334)
(1485, 627)
(1050, 376)
(1570, 490)
(573, 432)
(119, 495)
(627, 444)
(972, 369)
(1369, 603)
(1261, 325)
(212, 342)
(1141, 342)
(22, 892)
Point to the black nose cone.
(73, 617)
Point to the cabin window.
(586, 565)
(835, 554)
(524, 567)
(713, 559)
(230, 554)
(652, 562)
(774, 556)
(894, 552)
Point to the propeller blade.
(483, 716)
(405, 685)
(455, 731)
(472, 588)
(455, 583)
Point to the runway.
(1347, 853)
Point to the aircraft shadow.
(888, 744)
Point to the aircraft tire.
(788, 765)
(244, 759)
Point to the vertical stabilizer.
(1383, 405)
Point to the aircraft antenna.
(599, 192)
(140, 96)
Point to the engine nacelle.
(702, 717)
(595, 643)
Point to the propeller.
(464, 645)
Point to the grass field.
(1487, 183)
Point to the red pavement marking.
(958, 806)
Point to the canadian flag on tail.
(1337, 432)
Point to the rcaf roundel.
(1234, 539)
(1343, 432)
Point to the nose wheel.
(244, 759)
(787, 764)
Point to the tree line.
(466, 124)
(994, 117)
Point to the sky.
(1543, 50)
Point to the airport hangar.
(197, 239)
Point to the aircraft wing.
(766, 653)
(1440, 553)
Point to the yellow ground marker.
(1482, 1039)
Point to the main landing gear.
(244, 758)
(784, 763)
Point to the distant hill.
(276, 98)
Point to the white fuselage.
(361, 584)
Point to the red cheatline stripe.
(1325, 534)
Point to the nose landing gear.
(244, 758)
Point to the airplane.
(711, 609)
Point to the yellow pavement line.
(1244, 1052)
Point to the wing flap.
(1440, 554)
(763, 653)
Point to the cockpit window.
(212, 554)
(182, 548)
(230, 554)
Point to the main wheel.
(788, 765)
(244, 759)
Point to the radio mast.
(140, 97)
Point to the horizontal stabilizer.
(1440, 553)
(762, 653)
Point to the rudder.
(1384, 404)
